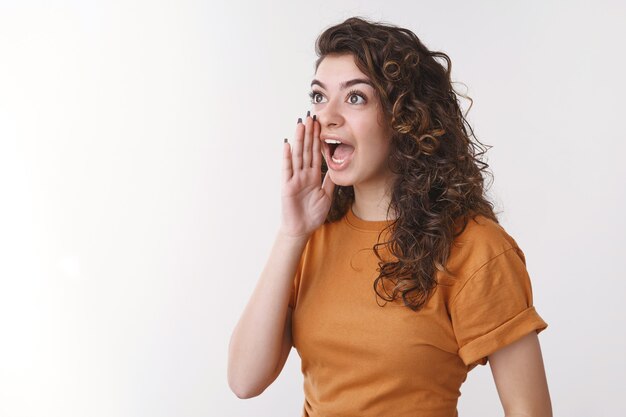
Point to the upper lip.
(335, 137)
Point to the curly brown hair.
(440, 185)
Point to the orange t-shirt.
(361, 359)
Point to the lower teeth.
(337, 161)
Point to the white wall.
(140, 147)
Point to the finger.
(317, 146)
(328, 185)
(308, 139)
(296, 149)
(287, 169)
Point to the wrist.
(293, 238)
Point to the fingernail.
(308, 113)
(314, 117)
(285, 140)
(299, 119)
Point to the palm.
(305, 200)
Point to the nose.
(330, 114)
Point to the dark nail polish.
(308, 113)
(314, 117)
(285, 140)
(299, 119)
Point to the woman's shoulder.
(481, 240)
(482, 232)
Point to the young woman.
(391, 276)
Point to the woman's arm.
(261, 340)
(258, 342)
(520, 378)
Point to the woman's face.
(349, 110)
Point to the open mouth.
(337, 151)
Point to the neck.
(371, 202)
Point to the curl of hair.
(440, 183)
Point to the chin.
(339, 178)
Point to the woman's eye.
(354, 95)
(314, 96)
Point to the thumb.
(328, 185)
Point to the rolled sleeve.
(494, 307)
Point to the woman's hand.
(305, 200)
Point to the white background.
(140, 147)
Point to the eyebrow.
(345, 84)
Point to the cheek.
(378, 146)
(377, 153)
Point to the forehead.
(335, 69)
